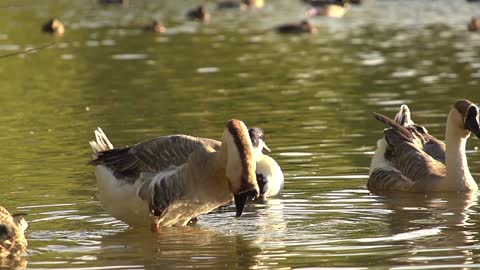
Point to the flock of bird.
(171, 180)
(327, 8)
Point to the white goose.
(409, 159)
(172, 179)
(12, 234)
(269, 174)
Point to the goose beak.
(471, 122)
(241, 199)
(266, 148)
(473, 127)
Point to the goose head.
(464, 117)
(403, 117)
(238, 155)
(258, 140)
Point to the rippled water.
(313, 95)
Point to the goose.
(269, 175)
(401, 162)
(199, 13)
(303, 27)
(12, 236)
(54, 26)
(242, 4)
(171, 180)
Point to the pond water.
(313, 95)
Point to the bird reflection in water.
(419, 221)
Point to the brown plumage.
(172, 179)
(199, 13)
(12, 237)
(409, 159)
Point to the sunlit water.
(313, 95)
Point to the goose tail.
(404, 117)
(399, 129)
(101, 143)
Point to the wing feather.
(152, 156)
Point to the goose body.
(12, 236)
(409, 159)
(172, 179)
(269, 175)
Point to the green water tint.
(313, 96)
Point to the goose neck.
(458, 172)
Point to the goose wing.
(431, 145)
(152, 156)
(411, 163)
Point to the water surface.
(313, 95)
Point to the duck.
(113, 2)
(303, 27)
(328, 10)
(54, 26)
(317, 3)
(403, 162)
(269, 174)
(173, 179)
(199, 13)
(155, 26)
(242, 4)
(474, 24)
(12, 234)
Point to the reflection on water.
(313, 96)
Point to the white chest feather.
(120, 198)
(378, 160)
(269, 169)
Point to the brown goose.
(172, 179)
(12, 237)
(401, 163)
